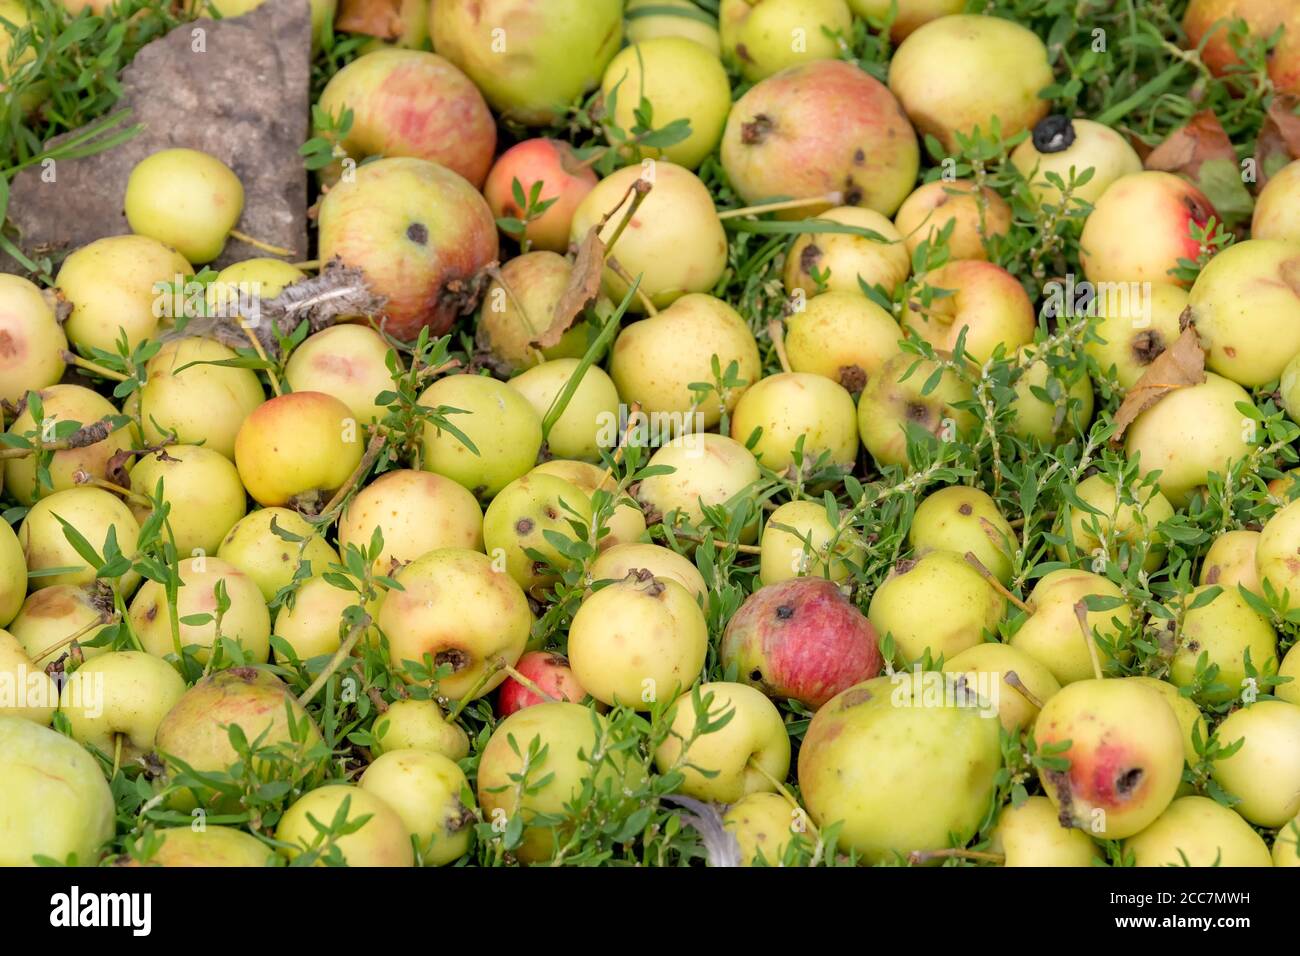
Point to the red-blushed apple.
(213, 846)
(254, 547)
(1060, 145)
(26, 691)
(381, 839)
(1051, 634)
(795, 542)
(1197, 831)
(1277, 208)
(616, 563)
(1022, 684)
(962, 519)
(65, 403)
(1124, 751)
(201, 489)
(763, 37)
(978, 215)
(531, 58)
(348, 361)
(842, 335)
(298, 449)
(647, 24)
(521, 522)
(1263, 18)
(565, 183)
(115, 702)
(552, 675)
(51, 618)
(708, 470)
(1231, 561)
(1140, 228)
(1226, 631)
(1132, 331)
(415, 724)
(893, 399)
(412, 103)
(1031, 835)
(979, 298)
(32, 341)
(425, 789)
(1265, 772)
(420, 233)
(952, 78)
(1122, 519)
(838, 262)
(778, 411)
(800, 639)
(518, 308)
(625, 525)
(95, 514)
(245, 622)
(821, 129)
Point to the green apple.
(202, 404)
(617, 562)
(95, 514)
(55, 802)
(708, 470)
(253, 546)
(766, 36)
(1127, 518)
(564, 182)
(1132, 331)
(413, 724)
(839, 261)
(978, 215)
(13, 574)
(1051, 634)
(347, 361)
(212, 846)
(246, 621)
(984, 302)
(903, 773)
(1265, 773)
(185, 199)
(648, 20)
(764, 824)
(1196, 831)
(793, 543)
(964, 520)
(893, 399)
(1032, 835)
(1068, 412)
(34, 340)
(638, 639)
(1225, 631)
(524, 517)
(52, 616)
(743, 757)
(582, 429)
(626, 524)
(519, 305)
(64, 403)
(201, 489)
(1009, 670)
(425, 789)
(298, 449)
(779, 411)
(842, 335)
(382, 839)
(1060, 145)
(1277, 207)
(1190, 718)
(26, 691)
(122, 696)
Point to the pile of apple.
(554, 545)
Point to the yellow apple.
(425, 789)
(382, 839)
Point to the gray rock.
(239, 90)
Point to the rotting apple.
(1065, 414)
(1230, 561)
(519, 306)
(245, 622)
(842, 335)
(1123, 755)
(382, 838)
(616, 563)
(54, 616)
(425, 789)
(95, 514)
(800, 639)
(962, 519)
(795, 540)
(213, 846)
(824, 129)
(505, 430)
(1265, 773)
(1225, 631)
(32, 341)
(1122, 519)
(1277, 208)
(565, 183)
(843, 261)
(312, 625)
(625, 525)
(763, 37)
(708, 470)
(800, 412)
(411, 103)
(115, 702)
(187, 200)
(523, 519)
(637, 640)
(1212, 37)
(1196, 831)
(549, 672)
(349, 362)
(978, 298)
(1031, 835)
(1190, 719)
(582, 430)
(1132, 331)
(1022, 684)
(978, 216)
(254, 547)
(1052, 634)
(1068, 148)
(419, 232)
(415, 724)
(902, 772)
(647, 24)
(764, 824)
(458, 610)
(893, 399)
(65, 403)
(27, 691)
(950, 76)
(202, 492)
(960, 605)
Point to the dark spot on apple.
(917, 412)
(1212, 576)
(1053, 134)
(758, 129)
(539, 568)
(742, 51)
(418, 233)
(247, 674)
(859, 157)
(550, 512)
(852, 192)
(1196, 209)
(1229, 351)
(1193, 646)
(756, 676)
(784, 612)
(965, 508)
(1060, 782)
(853, 378)
(855, 697)
(454, 656)
(1147, 346)
(809, 258)
(152, 613)
(904, 565)
(1128, 781)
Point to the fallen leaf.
(376, 18)
(582, 291)
(1279, 137)
(1202, 152)
(1180, 365)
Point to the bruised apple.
(1132, 331)
(1226, 632)
(1069, 148)
(1231, 561)
(565, 182)
(297, 449)
(764, 825)
(895, 401)
(521, 523)
(56, 615)
(518, 308)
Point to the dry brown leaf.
(1201, 140)
(1279, 137)
(1180, 365)
(376, 18)
(582, 291)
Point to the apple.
(1065, 146)
(1133, 330)
(1031, 835)
(13, 574)
(708, 471)
(764, 825)
(413, 724)
(64, 403)
(766, 36)
(262, 277)
(1196, 831)
(213, 846)
(1068, 413)
(978, 215)
(655, 361)
(1290, 667)
(196, 730)
(1190, 718)
(1288, 389)
(52, 615)
(121, 696)
(55, 802)
(185, 199)
(523, 519)
(1286, 845)
(411, 103)
(617, 562)
(776, 412)
(636, 639)
(419, 232)
(1189, 433)
(744, 756)
(565, 183)
(1124, 519)
(800, 639)
(415, 512)
(680, 80)
(983, 300)
(960, 605)
(909, 15)
(893, 399)
(348, 362)
(519, 306)
(531, 58)
(675, 242)
(1141, 226)
(383, 839)
(314, 626)
(505, 430)
(1262, 19)
(14, 62)
(964, 520)
(821, 128)
(245, 622)
(457, 608)
(1051, 634)
(95, 514)
(647, 20)
(1265, 773)
(625, 525)
(843, 261)
(255, 548)
(202, 404)
(32, 341)
(1245, 305)
(201, 489)
(26, 691)
(794, 542)
(397, 23)
(1230, 561)
(902, 773)
(951, 77)
(1277, 554)
(1277, 207)
(1125, 754)
(580, 430)
(425, 789)
(550, 672)
(1225, 630)
(843, 336)
(1022, 684)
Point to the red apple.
(1262, 18)
(552, 163)
(801, 639)
(550, 672)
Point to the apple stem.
(1013, 679)
(529, 683)
(997, 585)
(1081, 613)
(834, 198)
(261, 353)
(495, 274)
(335, 662)
(81, 438)
(259, 244)
(924, 856)
(72, 358)
(307, 265)
(377, 442)
(613, 266)
(781, 788)
(776, 331)
(496, 665)
(117, 754)
(82, 478)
